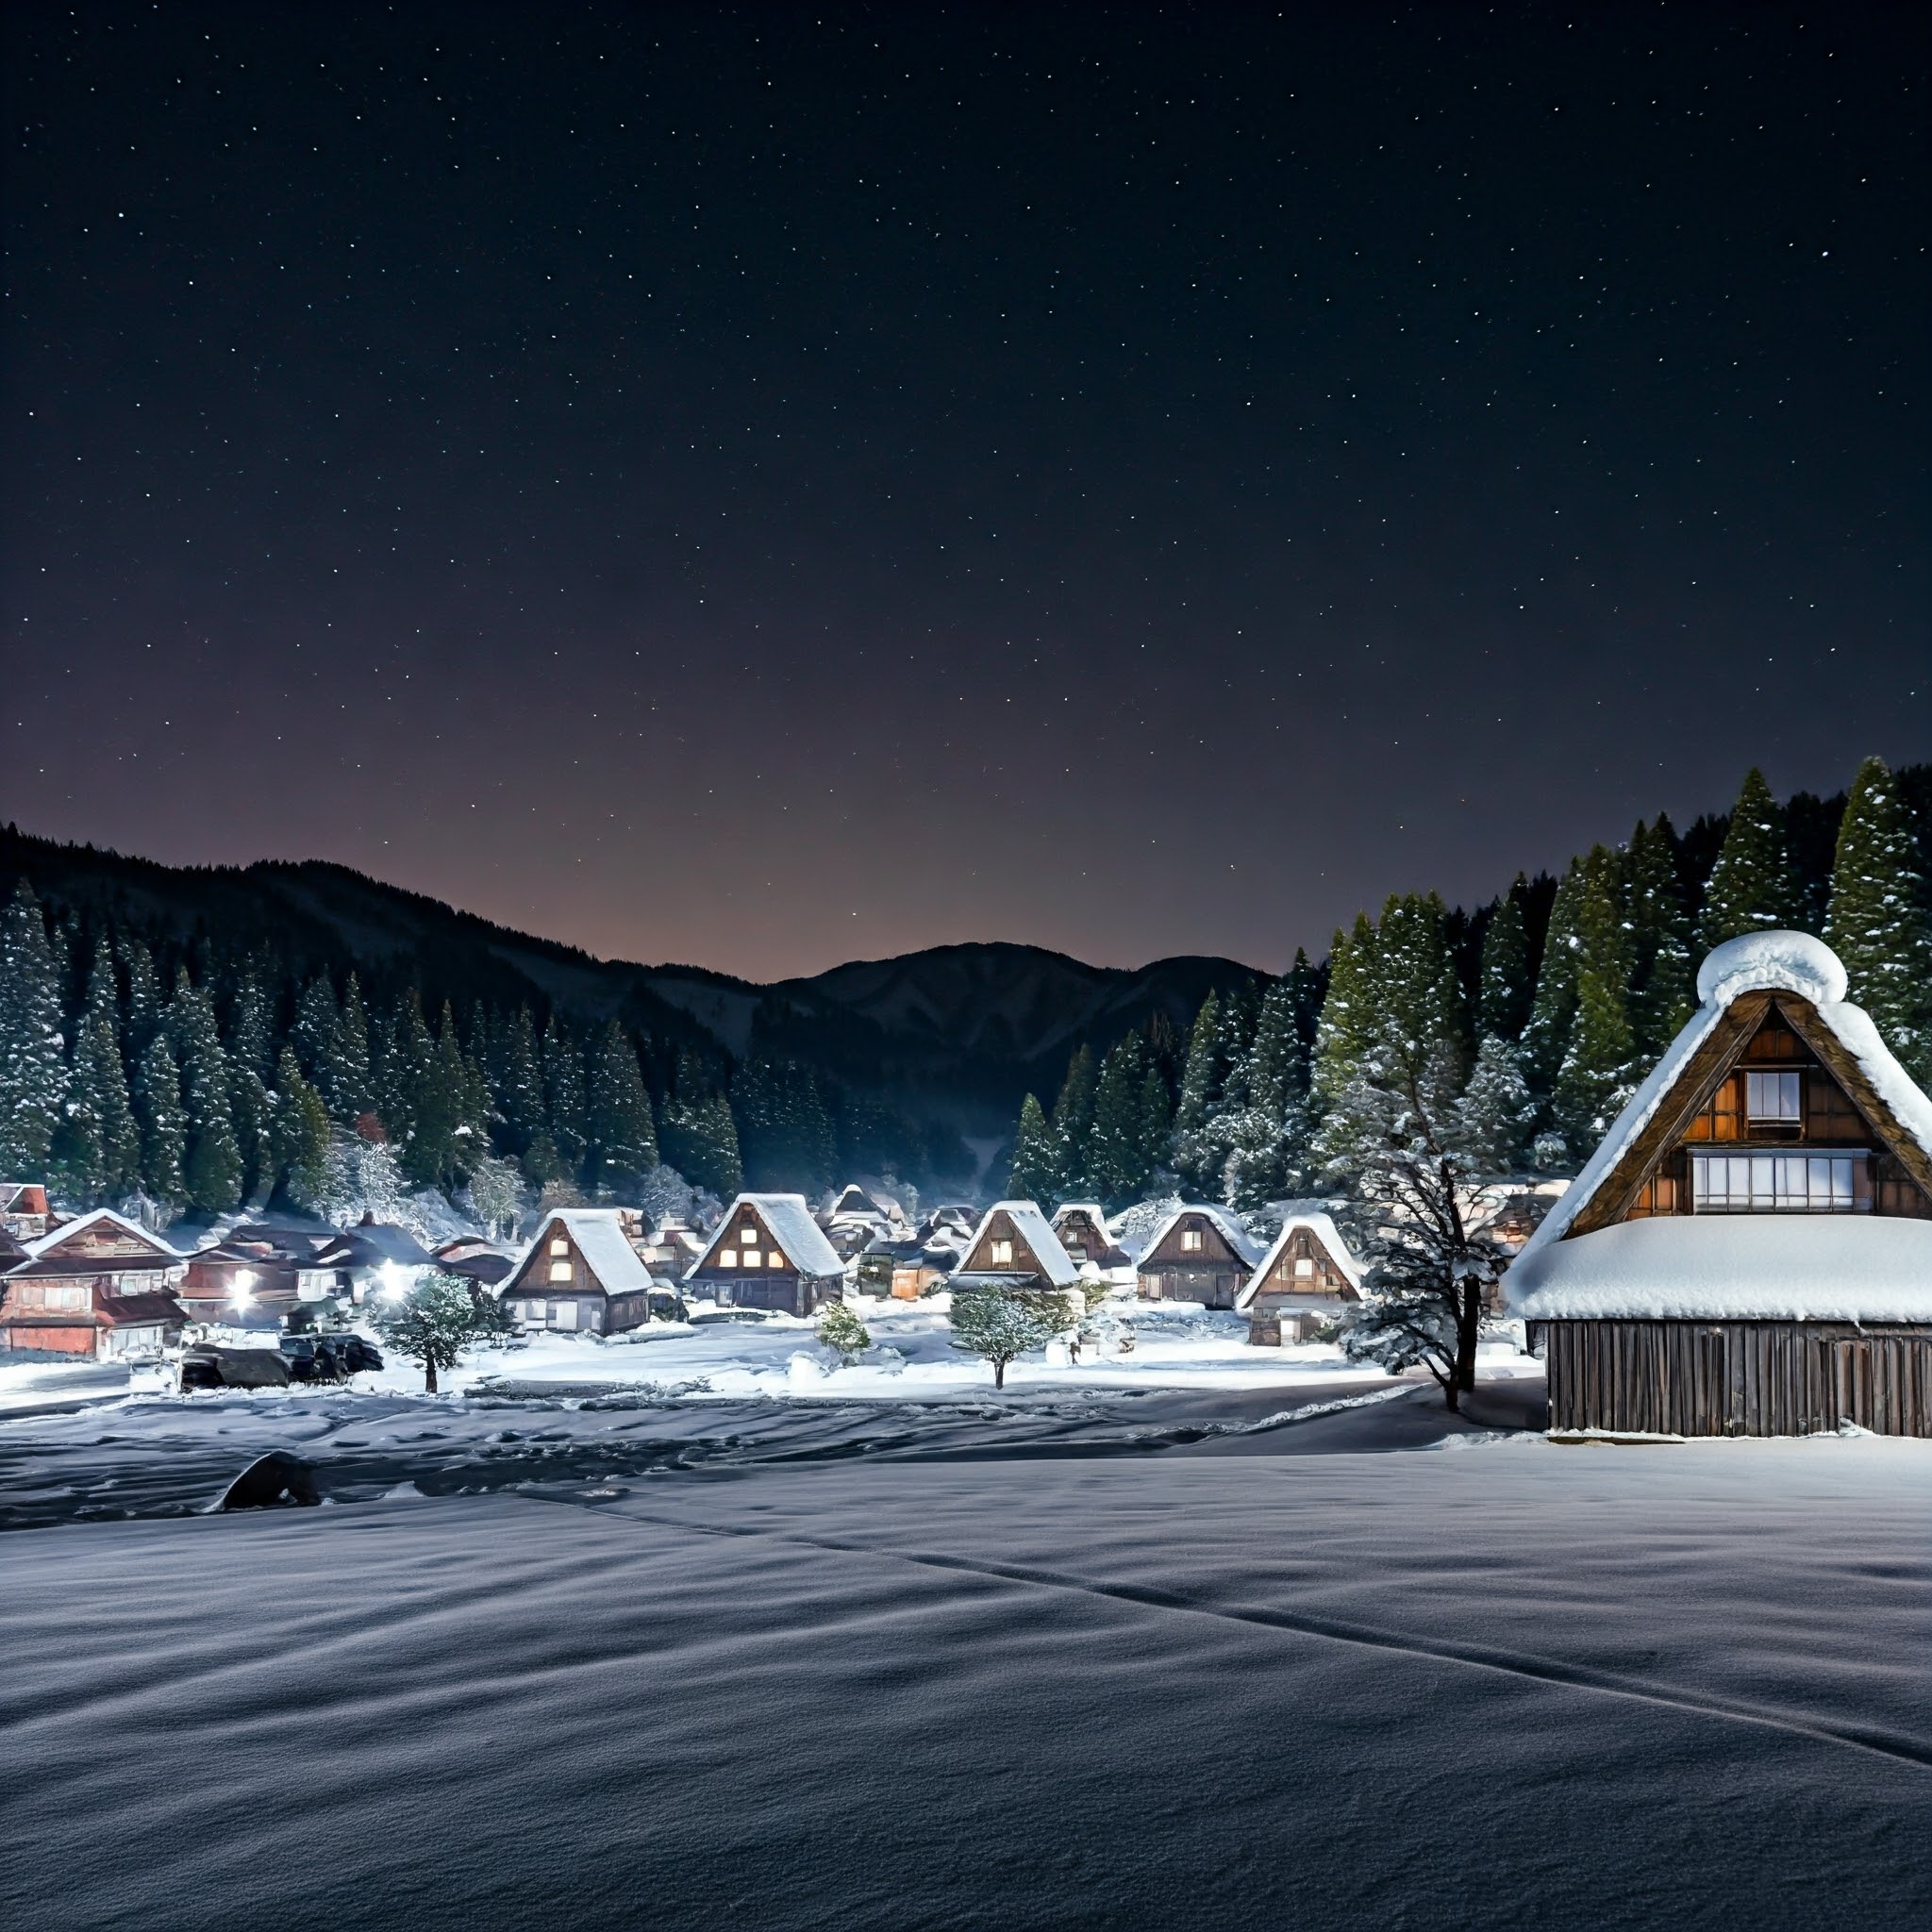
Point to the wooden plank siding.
(1738, 1378)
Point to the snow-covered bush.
(843, 1334)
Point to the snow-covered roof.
(1717, 1267)
(1033, 1228)
(1093, 1209)
(599, 1237)
(1320, 1223)
(1758, 962)
(55, 1237)
(788, 1219)
(1236, 1235)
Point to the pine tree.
(163, 1124)
(1598, 1072)
(1753, 887)
(1276, 1074)
(407, 1076)
(33, 1074)
(1507, 984)
(97, 1145)
(564, 1097)
(432, 1157)
(300, 1136)
(697, 1134)
(1073, 1125)
(1156, 1120)
(145, 1002)
(520, 1095)
(315, 1037)
(1495, 1111)
(1418, 998)
(213, 1172)
(354, 1057)
(1195, 1155)
(1663, 979)
(251, 1020)
(1880, 921)
(1347, 1024)
(623, 1145)
(1034, 1171)
(1118, 1165)
(1553, 1009)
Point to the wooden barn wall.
(1738, 1378)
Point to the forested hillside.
(217, 1036)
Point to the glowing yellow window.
(559, 1271)
(1190, 1240)
(727, 1258)
(1002, 1254)
(748, 1237)
(774, 1258)
(559, 1246)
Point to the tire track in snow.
(1336, 1630)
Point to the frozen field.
(1091, 1657)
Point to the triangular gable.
(1720, 1053)
(593, 1237)
(1323, 1241)
(1036, 1249)
(100, 1235)
(1234, 1245)
(782, 1223)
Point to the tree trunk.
(429, 1378)
(1452, 1395)
(1468, 1324)
(999, 1375)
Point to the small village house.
(769, 1252)
(97, 1286)
(1014, 1245)
(582, 1275)
(1081, 1228)
(1198, 1254)
(23, 1210)
(258, 1278)
(1307, 1277)
(1749, 1252)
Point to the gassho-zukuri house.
(581, 1275)
(1307, 1278)
(1749, 1253)
(769, 1252)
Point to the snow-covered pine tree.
(1599, 1070)
(433, 1156)
(314, 1037)
(1034, 1170)
(623, 1143)
(1507, 982)
(1553, 1007)
(1194, 1156)
(1495, 1111)
(251, 1109)
(213, 1171)
(145, 1002)
(1072, 1127)
(1347, 1026)
(1753, 887)
(163, 1123)
(999, 1324)
(33, 1072)
(1156, 1120)
(251, 1041)
(1118, 1166)
(96, 1148)
(406, 1074)
(299, 1136)
(353, 1063)
(1880, 923)
(1663, 974)
(563, 1095)
(1276, 1070)
(520, 1096)
(496, 1195)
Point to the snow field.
(1520, 1686)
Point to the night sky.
(761, 489)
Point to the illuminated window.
(1772, 1096)
(774, 1258)
(748, 1237)
(1190, 1240)
(559, 1246)
(559, 1271)
(1002, 1254)
(727, 1258)
(1780, 1184)
(1304, 1266)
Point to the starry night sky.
(764, 488)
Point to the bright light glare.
(243, 1293)
(393, 1282)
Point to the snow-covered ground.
(1520, 1685)
(1210, 1637)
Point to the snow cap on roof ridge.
(1773, 963)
